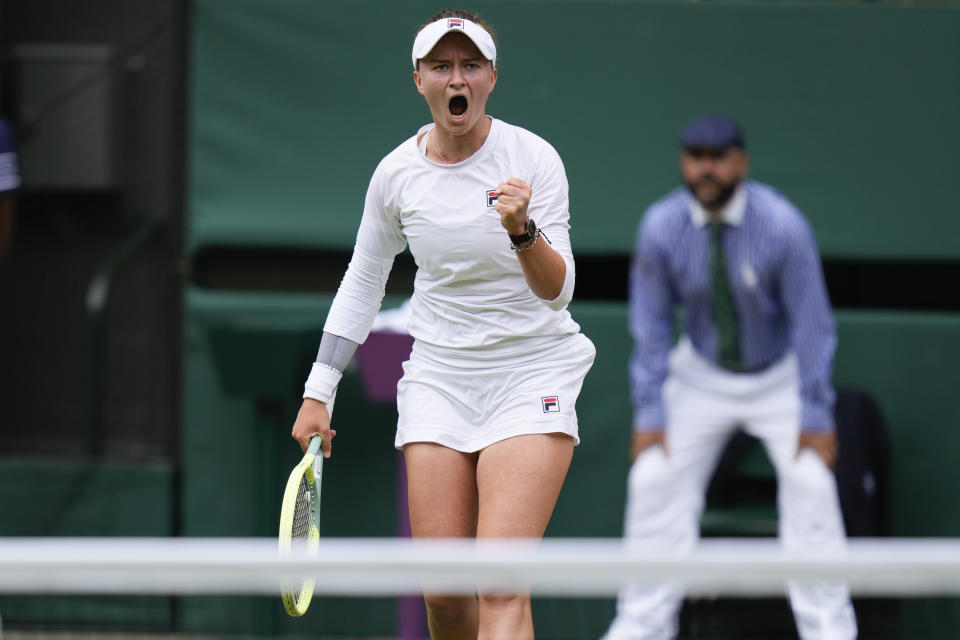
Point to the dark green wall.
(64, 498)
(849, 109)
(247, 355)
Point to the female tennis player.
(487, 401)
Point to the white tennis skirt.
(468, 401)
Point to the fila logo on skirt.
(551, 404)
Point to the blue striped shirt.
(777, 283)
(9, 174)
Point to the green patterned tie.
(724, 308)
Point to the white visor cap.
(430, 35)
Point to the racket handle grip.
(315, 443)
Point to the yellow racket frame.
(310, 467)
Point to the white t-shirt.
(469, 290)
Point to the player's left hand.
(512, 205)
(823, 443)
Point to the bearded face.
(712, 175)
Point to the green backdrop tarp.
(42, 497)
(849, 109)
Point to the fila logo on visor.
(551, 404)
(454, 23)
(492, 195)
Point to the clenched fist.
(512, 205)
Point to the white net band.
(552, 567)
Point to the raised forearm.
(544, 269)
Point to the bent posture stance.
(756, 354)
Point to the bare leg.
(518, 480)
(442, 492)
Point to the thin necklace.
(433, 141)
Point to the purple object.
(381, 359)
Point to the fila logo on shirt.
(551, 404)
(492, 195)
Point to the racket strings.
(301, 513)
(302, 519)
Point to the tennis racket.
(300, 522)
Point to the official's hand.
(824, 444)
(645, 439)
(313, 419)
(512, 205)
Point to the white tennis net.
(381, 567)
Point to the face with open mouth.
(456, 80)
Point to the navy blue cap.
(712, 132)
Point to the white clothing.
(666, 491)
(469, 290)
(490, 360)
(481, 398)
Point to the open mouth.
(458, 105)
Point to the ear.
(493, 78)
(744, 164)
(417, 80)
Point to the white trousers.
(666, 490)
